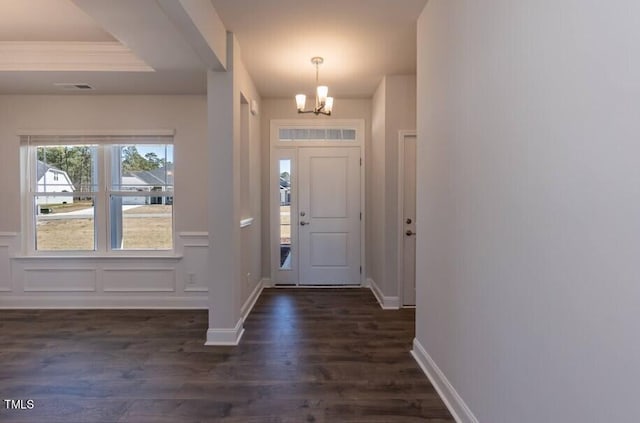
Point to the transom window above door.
(317, 134)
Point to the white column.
(222, 187)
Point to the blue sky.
(159, 150)
(285, 166)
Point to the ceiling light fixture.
(324, 104)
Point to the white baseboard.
(251, 301)
(387, 303)
(233, 336)
(267, 283)
(217, 337)
(103, 302)
(454, 402)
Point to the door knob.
(409, 232)
(304, 223)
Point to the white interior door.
(408, 216)
(329, 215)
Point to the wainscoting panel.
(178, 281)
(59, 280)
(195, 246)
(5, 269)
(139, 280)
(6, 244)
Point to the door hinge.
(360, 215)
(361, 270)
(360, 161)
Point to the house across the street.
(52, 179)
(149, 181)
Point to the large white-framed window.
(88, 195)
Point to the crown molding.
(69, 56)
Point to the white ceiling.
(140, 25)
(361, 40)
(47, 20)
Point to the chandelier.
(324, 104)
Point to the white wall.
(286, 109)
(186, 114)
(251, 243)
(376, 171)
(400, 115)
(529, 207)
(394, 109)
(91, 281)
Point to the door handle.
(409, 233)
(304, 223)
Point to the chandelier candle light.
(324, 104)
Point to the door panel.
(328, 192)
(329, 249)
(329, 216)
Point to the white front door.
(329, 215)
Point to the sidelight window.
(285, 214)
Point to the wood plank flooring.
(308, 355)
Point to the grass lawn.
(141, 230)
(64, 208)
(72, 234)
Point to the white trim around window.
(102, 188)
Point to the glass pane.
(285, 214)
(142, 167)
(301, 134)
(66, 168)
(64, 224)
(349, 134)
(141, 222)
(334, 134)
(318, 134)
(286, 134)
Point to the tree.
(133, 160)
(76, 161)
(154, 161)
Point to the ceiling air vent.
(73, 86)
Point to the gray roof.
(155, 176)
(42, 168)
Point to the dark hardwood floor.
(308, 355)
